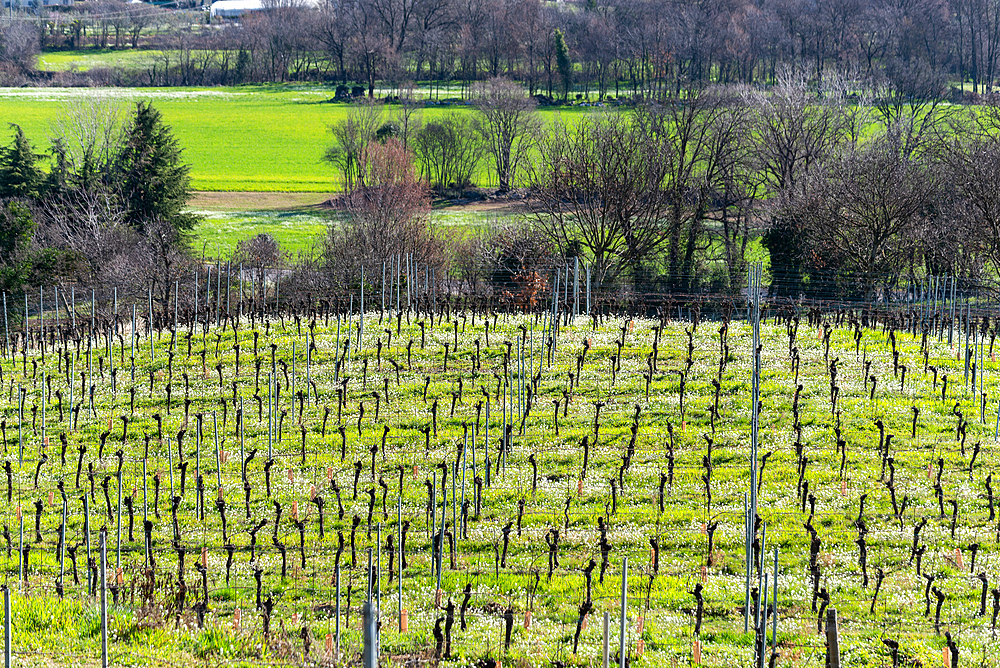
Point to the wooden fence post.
(832, 639)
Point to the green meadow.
(88, 59)
(256, 138)
(299, 230)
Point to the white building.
(233, 9)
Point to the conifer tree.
(154, 181)
(563, 62)
(19, 174)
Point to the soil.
(288, 201)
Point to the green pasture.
(248, 138)
(299, 230)
(218, 233)
(88, 59)
(236, 139)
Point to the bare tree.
(86, 137)
(168, 257)
(370, 48)
(351, 136)
(18, 46)
(140, 17)
(736, 189)
(908, 101)
(794, 130)
(448, 151)
(101, 13)
(599, 185)
(859, 213)
(385, 214)
(434, 32)
(259, 253)
(509, 126)
(121, 22)
(407, 115)
(91, 225)
(91, 229)
(330, 30)
(701, 137)
(971, 162)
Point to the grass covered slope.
(252, 138)
(245, 140)
(405, 377)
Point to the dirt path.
(254, 201)
(284, 201)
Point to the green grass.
(87, 59)
(254, 138)
(219, 232)
(299, 230)
(148, 634)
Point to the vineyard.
(263, 467)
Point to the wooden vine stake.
(832, 639)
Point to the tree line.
(634, 49)
(849, 195)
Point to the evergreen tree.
(154, 182)
(19, 174)
(56, 181)
(16, 230)
(563, 62)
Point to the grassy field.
(372, 457)
(235, 139)
(87, 59)
(218, 233)
(299, 229)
